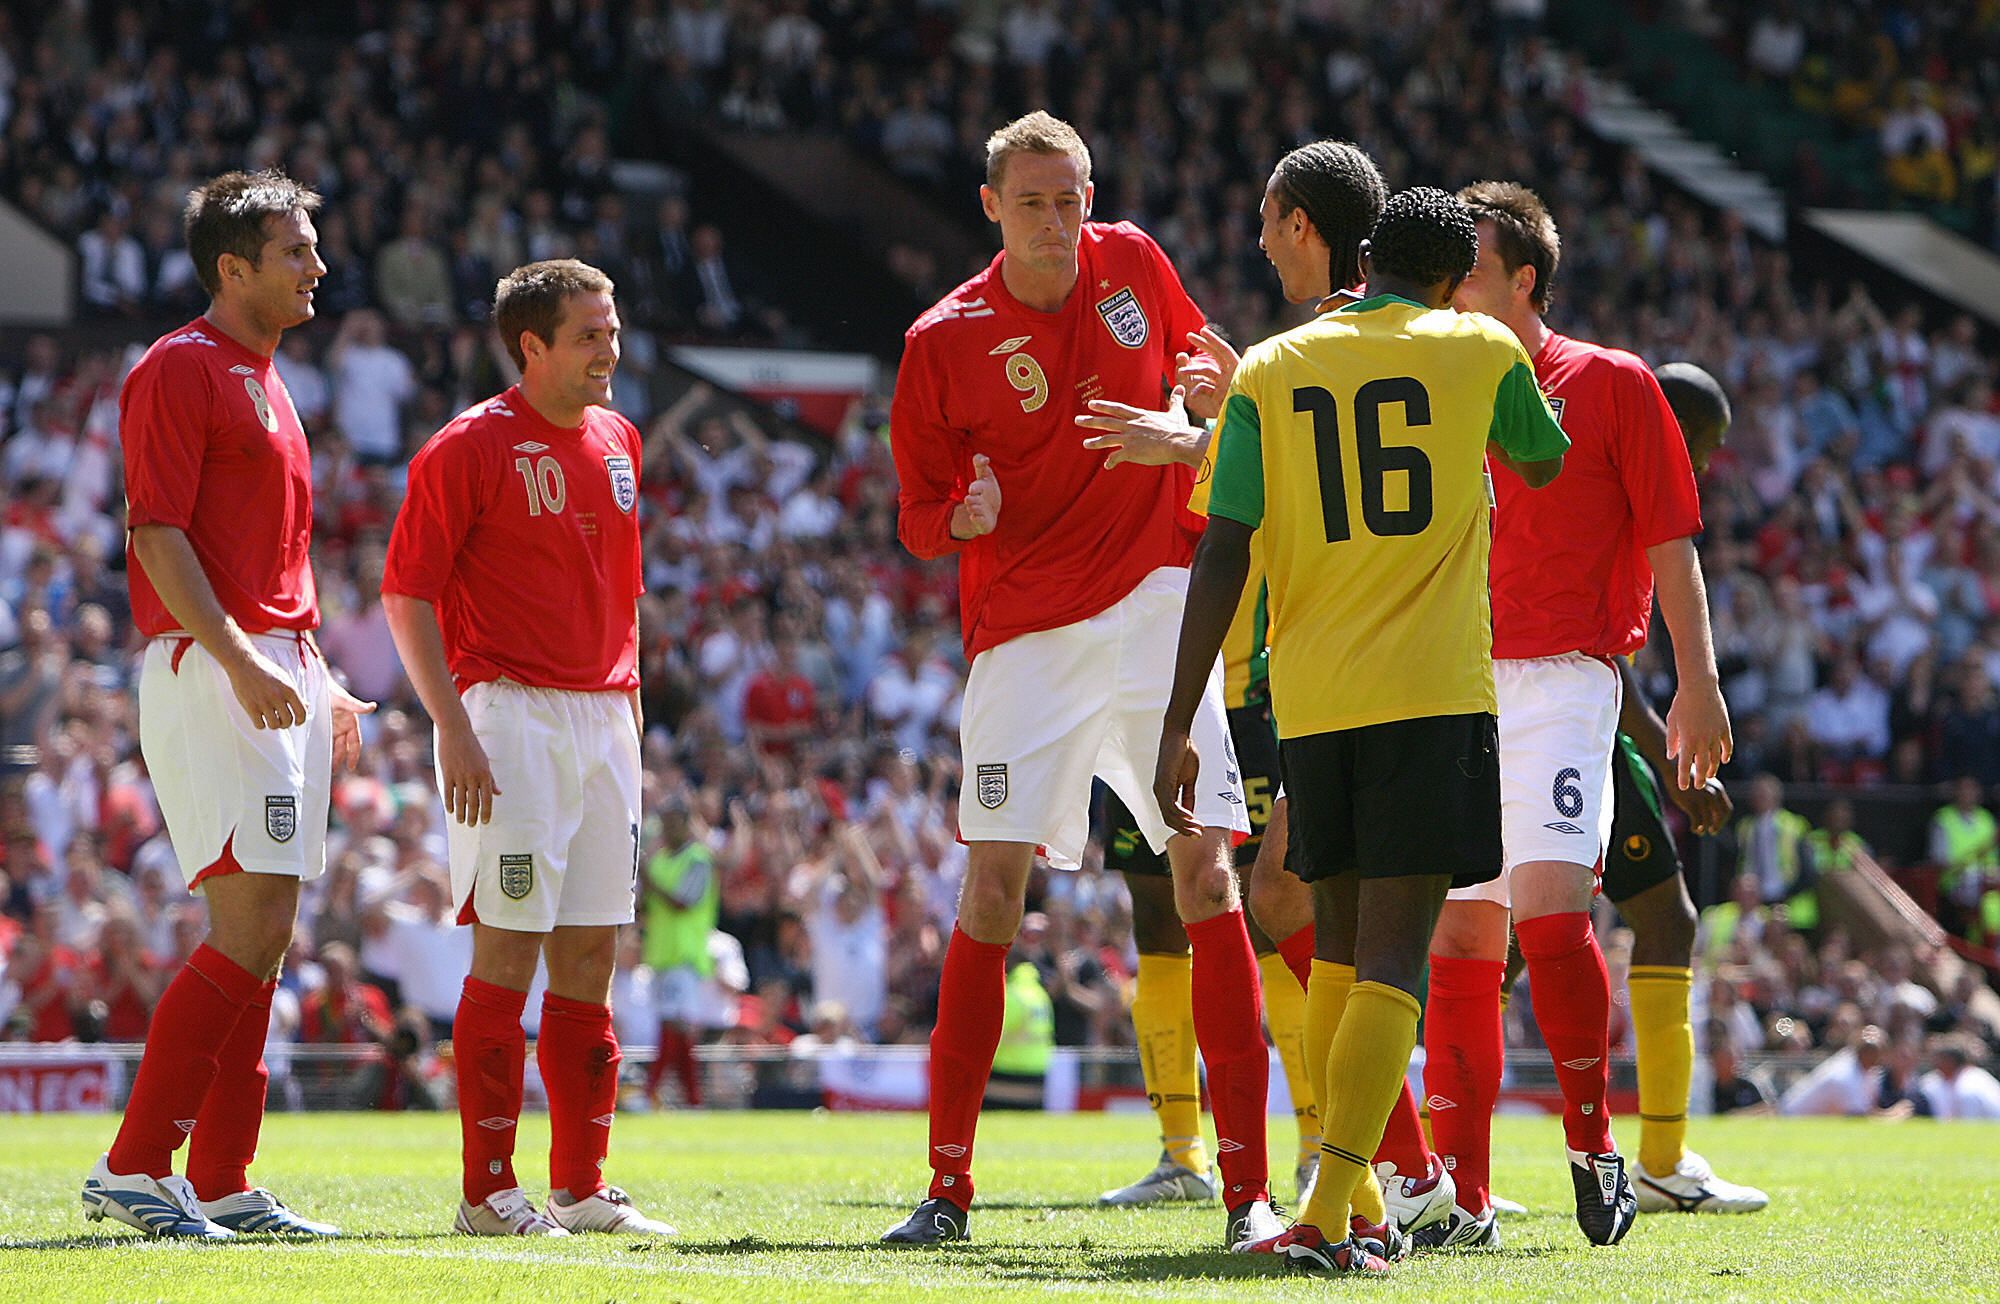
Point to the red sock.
(1463, 1054)
(1403, 1142)
(1229, 1028)
(232, 1114)
(1298, 952)
(972, 1001)
(491, 1050)
(191, 1024)
(578, 1055)
(1572, 996)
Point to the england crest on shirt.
(1125, 319)
(624, 485)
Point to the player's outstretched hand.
(1708, 807)
(1174, 776)
(1144, 438)
(1205, 371)
(467, 776)
(982, 498)
(1698, 737)
(347, 712)
(267, 695)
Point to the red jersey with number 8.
(525, 536)
(214, 448)
(983, 373)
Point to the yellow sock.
(1163, 1018)
(1285, 1016)
(1326, 1000)
(1664, 1040)
(1364, 1073)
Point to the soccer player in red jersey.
(239, 720)
(1071, 576)
(1574, 571)
(511, 589)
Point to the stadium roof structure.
(1921, 251)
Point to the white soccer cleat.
(1693, 1187)
(1253, 1228)
(1512, 1208)
(1415, 1203)
(504, 1213)
(260, 1211)
(163, 1206)
(1304, 1178)
(610, 1210)
(1167, 1184)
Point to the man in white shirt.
(372, 382)
(1845, 1084)
(1956, 1087)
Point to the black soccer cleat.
(1605, 1203)
(935, 1222)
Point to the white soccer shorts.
(1046, 711)
(1558, 726)
(562, 848)
(222, 781)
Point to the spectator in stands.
(1848, 719)
(1732, 1094)
(1848, 1082)
(1965, 847)
(1771, 845)
(1958, 1085)
(344, 1010)
(1835, 846)
(371, 383)
(111, 266)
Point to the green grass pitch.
(786, 1207)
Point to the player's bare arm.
(267, 696)
(1215, 586)
(979, 512)
(1707, 805)
(1698, 737)
(464, 772)
(1144, 438)
(347, 712)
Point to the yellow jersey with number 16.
(1356, 445)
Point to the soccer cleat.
(609, 1210)
(1459, 1230)
(1251, 1227)
(1304, 1178)
(162, 1206)
(1167, 1184)
(1605, 1205)
(1693, 1187)
(935, 1222)
(1512, 1208)
(505, 1213)
(1384, 1240)
(1415, 1203)
(1306, 1251)
(260, 1211)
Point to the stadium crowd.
(801, 672)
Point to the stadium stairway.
(1874, 911)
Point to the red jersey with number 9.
(983, 373)
(525, 537)
(214, 448)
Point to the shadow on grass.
(996, 1206)
(114, 1240)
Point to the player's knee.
(1205, 892)
(1277, 901)
(989, 908)
(1663, 926)
(1466, 932)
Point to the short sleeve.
(634, 445)
(1236, 486)
(1652, 460)
(438, 509)
(1523, 423)
(163, 424)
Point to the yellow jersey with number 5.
(1356, 446)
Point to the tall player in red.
(511, 588)
(1071, 590)
(1574, 570)
(239, 720)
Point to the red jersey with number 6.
(525, 536)
(983, 373)
(1569, 568)
(214, 448)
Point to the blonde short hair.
(1037, 133)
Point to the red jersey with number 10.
(983, 373)
(1569, 568)
(214, 448)
(525, 536)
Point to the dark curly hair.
(1425, 236)
(1341, 190)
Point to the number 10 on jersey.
(544, 478)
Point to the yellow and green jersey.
(1355, 444)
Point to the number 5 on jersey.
(544, 478)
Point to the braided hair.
(1341, 191)
(1426, 235)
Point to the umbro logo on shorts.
(517, 876)
(1563, 826)
(281, 817)
(992, 785)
